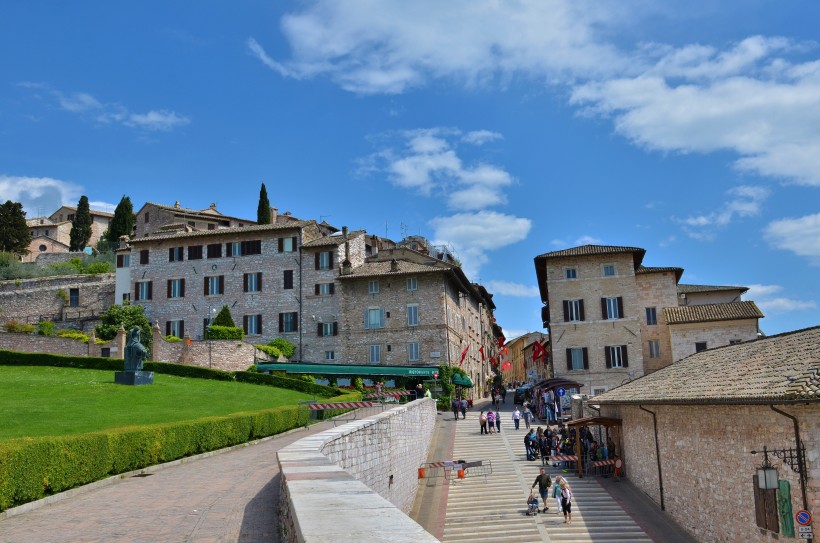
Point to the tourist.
(566, 501)
(544, 448)
(544, 483)
(491, 421)
(427, 393)
(556, 492)
(482, 421)
(516, 416)
(455, 406)
(463, 408)
(527, 416)
(498, 420)
(528, 441)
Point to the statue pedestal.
(134, 377)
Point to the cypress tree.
(80, 226)
(15, 236)
(123, 222)
(224, 318)
(263, 211)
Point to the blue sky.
(505, 129)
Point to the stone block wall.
(330, 478)
(29, 300)
(715, 334)
(656, 290)
(219, 354)
(32, 343)
(707, 465)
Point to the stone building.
(68, 297)
(52, 234)
(519, 354)
(693, 434)
(151, 218)
(612, 319)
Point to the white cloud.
(480, 137)
(162, 120)
(800, 236)
(102, 206)
(588, 240)
(78, 102)
(473, 235)
(767, 299)
(749, 98)
(507, 288)
(745, 201)
(40, 196)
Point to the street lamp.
(211, 311)
(766, 473)
(794, 458)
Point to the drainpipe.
(800, 466)
(657, 453)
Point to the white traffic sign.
(804, 529)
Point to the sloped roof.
(332, 241)
(209, 212)
(92, 211)
(647, 269)
(687, 289)
(591, 250)
(222, 231)
(711, 312)
(383, 268)
(776, 369)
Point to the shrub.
(172, 339)
(73, 334)
(270, 350)
(285, 347)
(46, 328)
(16, 327)
(357, 383)
(224, 332)
(128, 316)
(224, 318)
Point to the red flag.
(481, 350)
(538, 351)
(501, 341)
(504, 352)
(506, 366)
(463, 354)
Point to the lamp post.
(766, 473)
(208, 334)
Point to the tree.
(15, 236)
(263, 211)
(80, 226)
(224, 318)
(285, 347)
(122, 224)
(127, 316)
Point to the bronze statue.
(135, 352)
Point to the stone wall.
(714, 334)
(32, 343)
(656, 290)
(329, 479)
(219, 354)
(30, 300)
(707, 465)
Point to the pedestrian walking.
(566, 501)
(455, 406)
(556, 493)
(491, 421)
(529, 439)
(516, 416)
(544, 485)
(527, 415)
(498, 421)
(463, 408)
(482, 420)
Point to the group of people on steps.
(560, 490)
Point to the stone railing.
(357, 482)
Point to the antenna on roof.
(403, 228)
(385, 229)
(323, 217)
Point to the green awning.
(462, 380)
(348, 369)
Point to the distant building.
(52, 234)
(522, 369)
(611, 319)
(153, 218)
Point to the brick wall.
(219, 354)
(656, 290)
(715, 334)
(28, 300)
(335, 475)
(32, 343)
(707, 465)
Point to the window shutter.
(381, 317)
(566, 311)
(206, 286)
(181, 329)
(569, 357)
(624, 356)
(259, 281)
(293, 243)
(150, 290)
(330, 258)
(245, 323)
(281, 248)
(182, 287)
(335, 328)
(586, 359)
(259, 324)
(169, 292)
(281, 322)
(316, 260)
(581, 304)
(136, 291)
(608, 356)
(170, 258)
(332, 289)
(222, 284)
(295, 320)
(620, 307)
(316, 289)
(245, 282)
(604, 314)
(119, 261)
(319, 329)
(167, 328)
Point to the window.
(413, 315)
(144, 256)
(573, 310)
(143, 290)
(252, 282)
(700, 346)
(323, 289)
(252, 324)
(126, 296)
(326, 329)
(330, 355)
(735, 341)
(413, 351)
(289, 322)
(123, 261)
(324, 260)
(577, 358)
(211, 226)
(375, 356)
(251, 247)
(233, 248)
(654, 348)
(612, 308)
(176, 288)
(766, 512)
(192, 224)
(70, 217)
(570, 273)
(596, 391)
(287, 245)
(215, 250)
(42, 248)
(175, 328)
(214, 285)
(287, 279)
(616, 356)
(147, 217)
(609, 271)
(412, 284)
(195, 252)
(373, 287)
(73, 297)
(374, 318)
(175, 254)
(651, 316)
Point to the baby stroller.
(532, 505)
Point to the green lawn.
(50, 401)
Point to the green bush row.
(224, 332)
(270, 350)
(32, 468)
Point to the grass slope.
(50, 401)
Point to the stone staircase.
(494, 510)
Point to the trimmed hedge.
(224, 332)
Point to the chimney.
(273, 213)
(394, 265)
(177, 205)
(213, 206)
(346, 264)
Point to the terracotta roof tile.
(222, 231)
(711, 312)
(686, 289)
(785, 367)
(333, 241)
(378, 269)
(587, 250)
